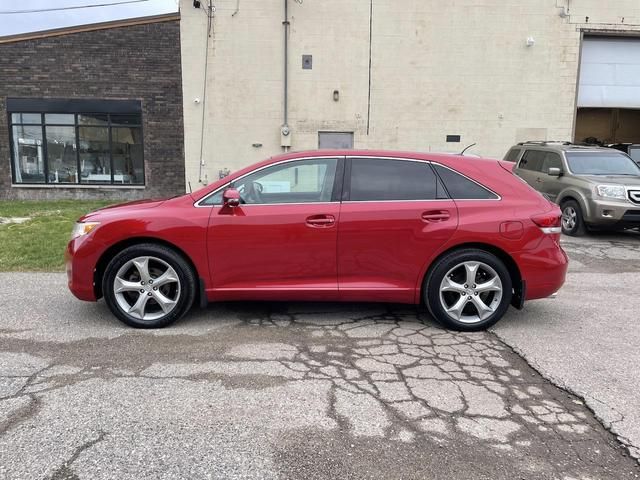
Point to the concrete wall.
(437, 68)
(140, 61)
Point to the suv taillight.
(549, 222)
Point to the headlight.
(611, 191)
(83, 228)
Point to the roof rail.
(545, 142)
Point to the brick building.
(92, 111)
(428, 75)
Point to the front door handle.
(539, 180)
(436, 216)
(321, 221)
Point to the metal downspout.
(286, 67)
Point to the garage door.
(610, 72)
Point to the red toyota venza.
(462, 235)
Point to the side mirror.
(231, 197)
(554, 172)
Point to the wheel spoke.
(483, 309)
(170, 276)
(142, 265)
(449, 285)
(137, 310)
(493, 285)
(165, 303)
(472, 269)
(458, 307)
(120, 285)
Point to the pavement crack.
(65, 472)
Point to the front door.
(280, 242)
(394, 217)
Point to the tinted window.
(601, 163)
(461, 188)
(512, 156)
(634, 152)
(551, 160)
(532, 160)
(302, 181)
(385, 179)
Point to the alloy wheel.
(471, 292)
(569, 218)
(147, 288)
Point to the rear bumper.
(543, 268)
(80, 268)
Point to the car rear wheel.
(572, 220)
(468, 290)
(149, 286)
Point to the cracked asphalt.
(304, 391)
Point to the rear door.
(395, 214)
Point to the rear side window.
(378, 179)
(513, 154)
(461, 188)
(532, 160)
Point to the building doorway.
(609, 90)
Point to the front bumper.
(611, 214)
(80, 268)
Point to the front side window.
(551, 160)
(601, 163)
(381, 179)
(77, 148)
(301, 181)
(532, 160)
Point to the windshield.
(601, 163)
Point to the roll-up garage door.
(610, 72)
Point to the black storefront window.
(89, 142)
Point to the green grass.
(39, 243)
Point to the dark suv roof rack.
(545, 142)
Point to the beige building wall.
(437, 68)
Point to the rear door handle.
(321, 221)
(436, 216)
(539, 180)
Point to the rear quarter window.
(512, 155)
(462, 188)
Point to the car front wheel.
(148, 286)
(468, 290)
(572, 221)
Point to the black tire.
(184, 290)
(578, 228)
(454, 261)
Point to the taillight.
(549, 222)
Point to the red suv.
(463, 235)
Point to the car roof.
(429, 156)
(564, 146)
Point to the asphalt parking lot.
(266, 390)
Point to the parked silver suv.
(595, 187)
